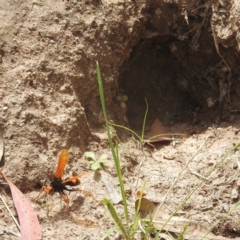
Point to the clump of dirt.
(182, 56)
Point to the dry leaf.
(146, 207)
(29, 225)
(157, 133)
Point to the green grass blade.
(140, 138)
(115, 155)
(181, 235)
(109, 232)
(140, 198)
(137, 215)
(115, 217)
(128, 129)
(144, 122)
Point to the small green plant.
(96, 163)
(128, 229)
(122, 98)
(146, 226)
(45, 205)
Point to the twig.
(14, 219)
(197, 174)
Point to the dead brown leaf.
(157, 133)
(146, 207)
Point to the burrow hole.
(180, 85)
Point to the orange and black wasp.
(59, 185)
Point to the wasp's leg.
(42, 189)
(66, 200)
(47, 190)
(88, 194)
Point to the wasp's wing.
(62, 162)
